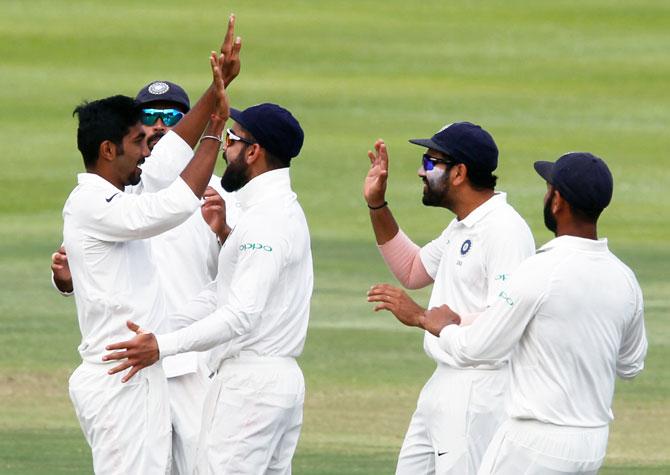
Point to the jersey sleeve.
(630, 361)
(431, 254)
(504, 254)
(195, 309)
(125, 216)
(261, 258)
(494, 334)
(168, 159)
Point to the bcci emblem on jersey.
(465, 247)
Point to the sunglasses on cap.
(429, 162)
(170, 117)
(231, 138)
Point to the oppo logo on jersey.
(254, 246)
(503, 295)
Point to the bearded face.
(549, 218)
(236, 174)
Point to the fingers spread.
(122, 345)
(133, 371)
(119, 367)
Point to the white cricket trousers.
(252, 417)
(187, 396)
(527, 447)
(127, 425)
(456, 416)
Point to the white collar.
(575, 242)
(264, 187)
(498, 199)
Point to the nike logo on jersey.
(439, 454)
(111, 197)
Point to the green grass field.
(543, 77)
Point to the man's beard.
(236, 174)
(153, 139)
(549, 218)
(435, 195)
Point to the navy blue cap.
(273, 127)
(581, 178)
(464, 142)
(163, 91)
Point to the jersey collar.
(498, 199)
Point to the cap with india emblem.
(163, 91)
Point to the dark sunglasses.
(231, 138)
(429, 162)
(170, 117)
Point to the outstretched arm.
(199, 170)
(190, 128)
(408, 312)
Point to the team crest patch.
(159, 88)
(465, 247)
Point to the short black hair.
(273, 161)
(105, 119)
(481, 179)
(585, 215)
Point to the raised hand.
(230, 49)
(138, 353)
(374, 186)
(61, 270)
(214, 213)
(222, 106)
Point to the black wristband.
(378, 207)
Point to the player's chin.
(153, 140)
(135, 178)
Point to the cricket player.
(572, 318)
(459, 409)
(105, 231)
(255, 315)
(186, 260)
(185, 257)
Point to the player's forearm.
(384, 224)
(64, 286)
(199, 170)
(403, 258)
(215, 329)
(191, 126)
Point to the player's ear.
(254, 153)
(107, 150)
(458, 172)
(558, 203)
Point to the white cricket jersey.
(186, 259)
(472, 259)
(104, 231)
(573, 316)
(114, 278)
(260, 301)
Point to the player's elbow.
(630, 371)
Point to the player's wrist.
(375, 205)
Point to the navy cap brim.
(235, 114)
(544, 169)
(428, 143)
